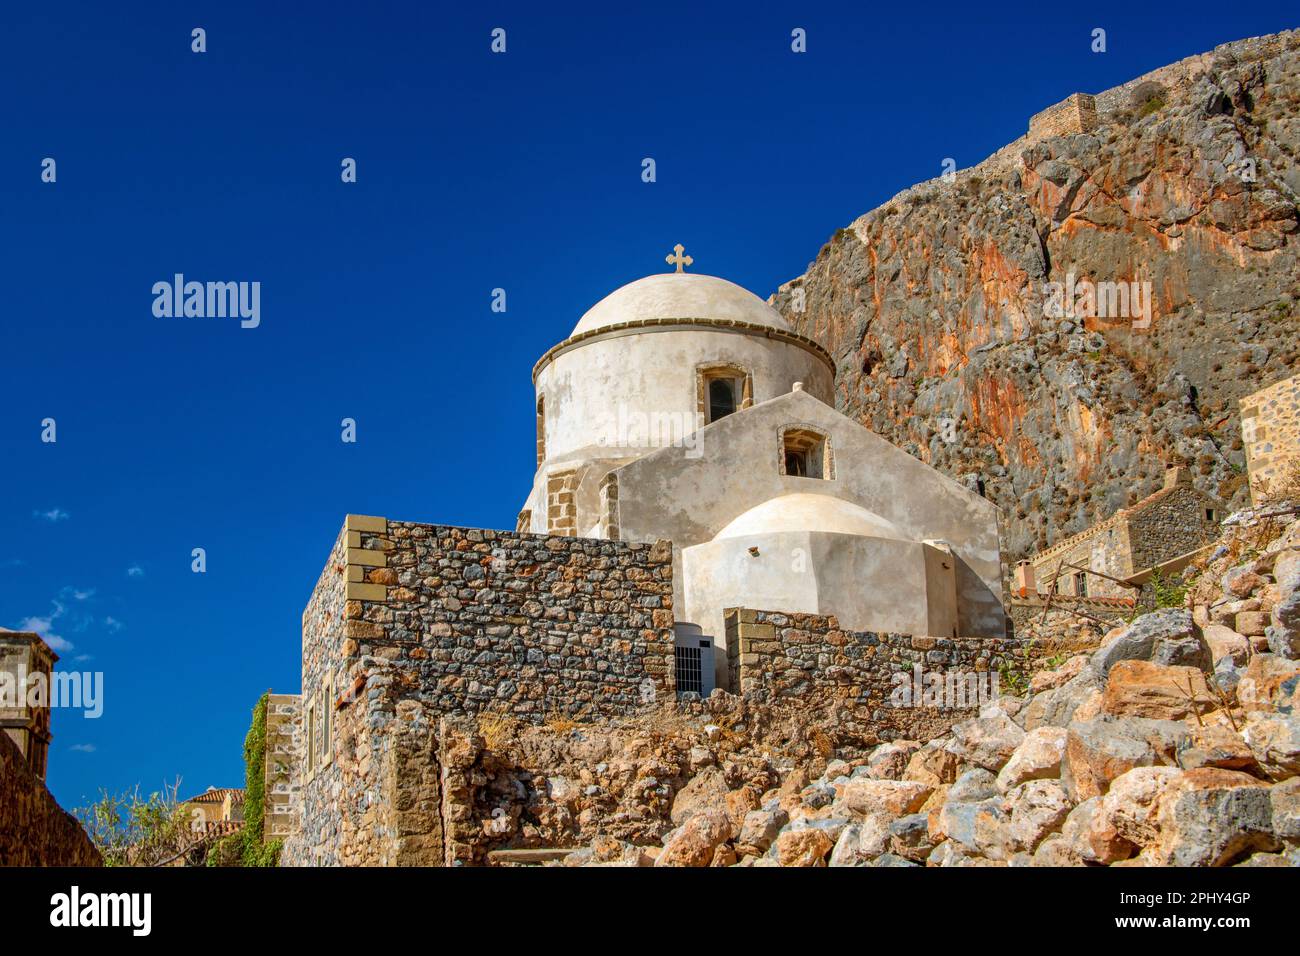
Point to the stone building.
(216, 805)
(26, 665)
(683, 407)
(1162, 532)
(34, 829)
(689, 467)
(1270, 431)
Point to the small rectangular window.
(805, 453)
(311, 738)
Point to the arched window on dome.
(722, 398)
(722, 390)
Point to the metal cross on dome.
(678, 259)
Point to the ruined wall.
(34, 829)
(1076, 113)
(808, 656)
(413, 622)
(1270, 428)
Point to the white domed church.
(683, 407)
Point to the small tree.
(132, 830)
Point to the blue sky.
(475, 171)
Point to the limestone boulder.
(694, 843)
(802, 848)
(893, 798)
(1124, 821)
(707, 790)
(1225, 642)
(1283, 632)
(1162, 637)
(973, 785)
(932, 765)
(981, 828)
(741, 802)
(1216, 745)
(759, 829)
(1212, 817)
(1270, 682)
(1037, 758)
(1098, 751)
(1242, 581)
(1251, 624)
(986, 742)
(1275, 742)
(1038, 808)
(845, 852)
(1050, 680)
(1138, 688)
(1285, 801)
(909, 837)
(890, 760)
(1056, 707)
(1054, 851)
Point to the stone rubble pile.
(1176, 742)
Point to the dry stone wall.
(776, 656)
(1270, 427)
(411, 623)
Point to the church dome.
(807, 512)
(680, 295)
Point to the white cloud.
(43, 626)
(83, 748)
(113, 624)
(54, 514)
(135, 571)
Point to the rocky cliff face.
(951, 340)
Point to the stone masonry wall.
(1077, 113)
(808, 656)
(34, 829)
(1105, 547)
(412, 622)
(284, 749)
(1270, 430)
(1172, 526)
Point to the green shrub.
(248, 846)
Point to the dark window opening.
(689, 676)
(1209, 514)
(722, 398)
(1081, 584)
(806, 454)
